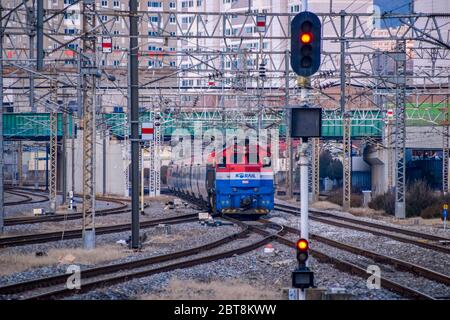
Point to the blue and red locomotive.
(241, 183)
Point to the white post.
(142, 180)
(304, 226)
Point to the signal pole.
(305, 61)
(2, 211)
(304, 205)
(134, 121)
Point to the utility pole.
(400, 132)
(89, 72)
(2, 208)
(134, 122)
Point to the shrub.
(385, 202)
(335, 196)
(433, 211)
(418, 197)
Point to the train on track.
(241, 184)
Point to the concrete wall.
(424, 137)
(115, 176)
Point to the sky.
(397, 6)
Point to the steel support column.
(157, 159)
(347, 187)
(2, 211)
(400, 132)
(152, 181)
(20, 163)
(134, 122)
(64, 159)
(445, 153)
(36, 166)
(88, 66)
(390, 162)
(53, 156)
(40, 35)
(347, 157)
(32, 33)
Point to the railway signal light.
(302, 252)
(302, 277)
(306, 42)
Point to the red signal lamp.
(306, 38)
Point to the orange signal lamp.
(306, 38)
(302, 244)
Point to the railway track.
(398, 264)
(93, 278)
(28, 199)
(121, 208)
(77, 233)
(414, 237)
(357, 270)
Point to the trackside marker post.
(444, 215)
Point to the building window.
(295, 8)
(187, 4)
(172, 20)
(70, 31)
(116, 4)
(153, 33)
(116, 63)
(104, 18)
(154, 4)
(199, 3)
(172, 63)
(104, 3)
(172, 5)
(154, 19)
